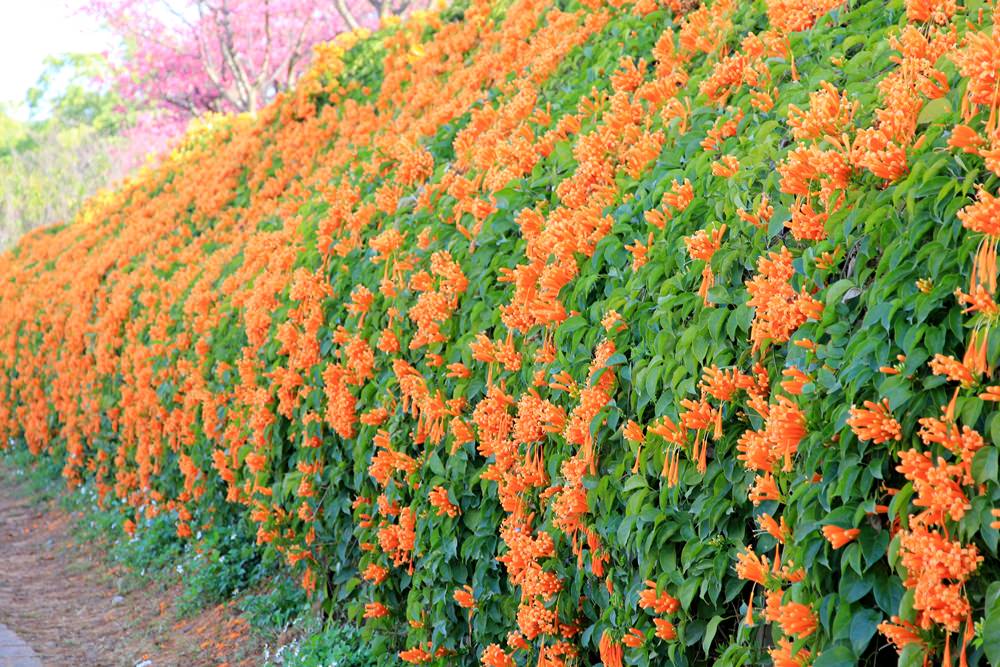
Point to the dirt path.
(62, 601)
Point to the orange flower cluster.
(938, 566)
(779, 309)
(659, 603)
(875, 422)
(977, 60)
(701, 246)
(838, 537)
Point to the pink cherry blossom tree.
(182, 58)
(192, 56)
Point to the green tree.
(70, 91)
(65, 150)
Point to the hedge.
(549, 332)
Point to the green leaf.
(995, 428)
(713, 625)
(873, 545)
(900, 502)
(686, 592)
(836, 292)
(991, 624)
(863, 626)
(837, 656)
(984, 465)
(853, 587)
(912, 656)
(615, 359)
(934, 110)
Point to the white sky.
(30, 30)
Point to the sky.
(30, 30)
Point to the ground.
(62, 599)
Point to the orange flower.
(784, 429)
(838, 537)
(938, 11)
(610, 650)
(375, 574)
(901, 633)
(416, 655)
(964, 137)
(830, 113)
(633, 432)
(983, 216)
(679, 196)
(783, 655)
(796, 619)
(722, 129)
(459, 371)
(375, 610)
(655, 218)
(612, 322)
(639, 252)
(751, 567)
(662, 603)
(665, 630)
(796, 380)
(761, 217)
(778, 531)
(702, 246)
(954, 369)
(796, 15)
(938, 569)
(464, 598)
(827, 260)
(721, 385)
(763, 489)
(494, 656)
(938, 485)
(726, 166)
(256, 462)
(439, 499)
(806, 223)
(779, 309)
(874, 422)
(634, 638)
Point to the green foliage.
(336, 646)
(277, 605)
(67, 149)
(70, 92)
(225, 564)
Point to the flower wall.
(556, 333)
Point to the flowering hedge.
(560, 332)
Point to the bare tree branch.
(236, 68)
(265, 70)
(215, 73)
(184, 104)
(345, 13)
(294, 54)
